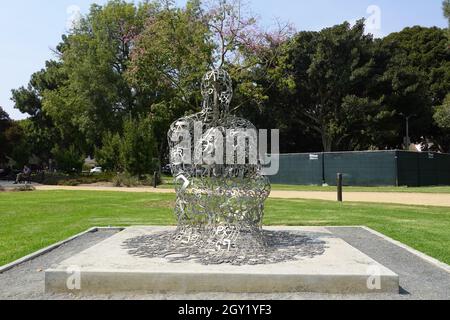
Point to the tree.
(442, 114)
(133, 152)
(138, 147)
(330, 71)
(247, 51)
(168, 61)
(5, 123)
(68, 160)
(39, 129)
(109, 155)
(13, 142)
(352, 92)
(446, 8)
(420, 76)
(95, 55)
(425, 51)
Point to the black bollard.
(339, 187)
(155, 180)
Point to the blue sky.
(29, 29)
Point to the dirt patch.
(422, 199)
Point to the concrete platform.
(108, 268)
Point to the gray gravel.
(26, 281)
(418, 279)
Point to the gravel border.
(41, 252)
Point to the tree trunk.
(327, 142)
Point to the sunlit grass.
(32, 220)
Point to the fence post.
(155, 180)
(339, 187)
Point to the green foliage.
(420, 75)
(336, 89)
(125, 180)
(425, 51)
(17, 146)
(330, 75)
(442, 114)
(138, 150)
(170, 56)
(13, 142)
(60, 179)
(68, 160)
(39, 128)
(347, 90)
(5, 124)
(446, 8)
(134, 151)
(109, 155)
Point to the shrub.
(68, 160)
(53, 179)
(125, 180)
(138, 148)
(109, 157)
(69, 183)
(24, 188)
(148, 180)
(60, 179)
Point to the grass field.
(32, 220)
(168, 184)
(284, 187)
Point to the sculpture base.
(109, 267)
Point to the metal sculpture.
(220, 190)
(218, 196)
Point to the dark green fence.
(371, 168)
(300, 169)
(423, 169)
(361, 168)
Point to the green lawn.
(32, 220)
(168, 184)
(285, 187)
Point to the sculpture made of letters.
(220, 192)
(220, 189)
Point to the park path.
(426, 199)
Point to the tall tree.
(168, 61)
(421, 61)
(39, 128)
(442, 115)
(5, 123)
(328, 70)
(95, 56)
(446, 8)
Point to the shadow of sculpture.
(270, 247)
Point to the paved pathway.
(428, 199)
